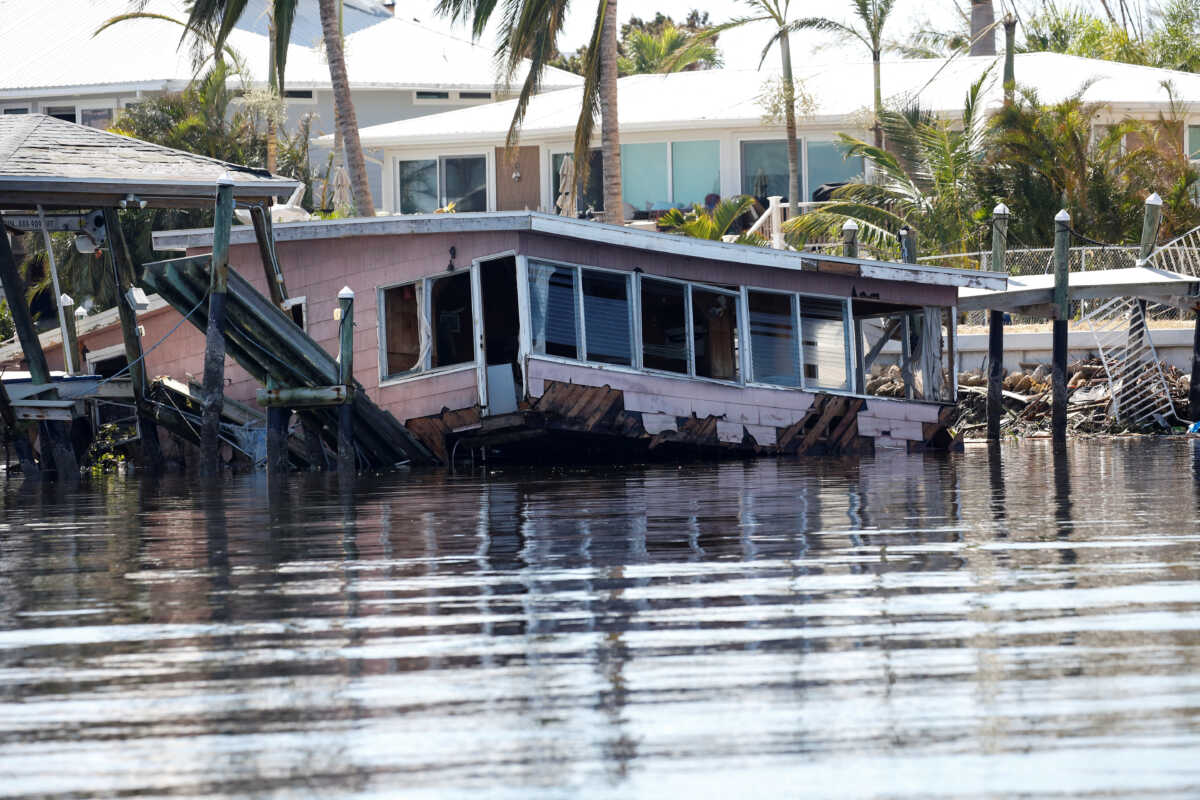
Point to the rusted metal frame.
(123, 277)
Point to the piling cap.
(80, 312)
(1062, 216)
(1154, 200)
(849, 225)
(1000, 210)
(346, 293)
(65, 300)
(226, 179)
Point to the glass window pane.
(65, 113)
(402, 329)
(450, 318)
(825, 165)
(1193, 142)
(96, 117)
(593, 195)
(606, 316)
(16, 111)
(695, 172)
(644, 175)
(714, 325)
(418, 186)
(552, 310)
(664, 326)
(465, 181)
(823, 327)
(765, 169)
(773, 349)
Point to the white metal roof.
(49, 49)
(840, 93)
(594, 232)
(1025, 291)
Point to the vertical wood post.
(995, 406)
(1062, 305)
(908, 245)
(214, 342)
(1010, 47)
(69, 366)
(776, 213)
(1150, 221)
(56, 441)
(265, 237)
(850, 239)
(71, 354)
(277, 438)
(346, 458)
(123, 276)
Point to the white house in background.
(695, 135)
(398, 68)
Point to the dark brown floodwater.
(896, 626)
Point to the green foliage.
(700, 223)
(7, 331)
(104, 454)
(670, 49)
(1167, 38)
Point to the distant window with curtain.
(825, 165)
(714, 331)
(664, 326)
(644, 175)
(592, 195)
(606, 317)
(773, 342)
(418, 186)
(464, 182)
(695, 172)
(823, 331)
(552, 310)
(765, 169)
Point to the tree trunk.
(878, 98)
(610, 135)
(347, 122)
(789, 116)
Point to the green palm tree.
(776, 12)
(671, 50)
(529, 30)
(700, 223)
(928, 179)
(872, 17)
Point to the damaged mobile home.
(551, 338)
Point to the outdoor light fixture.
(137, 299)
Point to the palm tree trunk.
(610, 135)
(347, 122)
(878, 98)
(789, 117)
(273, 84)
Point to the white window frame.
(751, 378)
(452, 98)
(392, 187)
(424, 310)
(302, 302)
(580, 322)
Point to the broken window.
(775, 356)
(606, 317)
(401, 310)
(451, 321)
(552, 310)
(714, 334)
(823, 332)
(664, 326)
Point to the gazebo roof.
(58, 164)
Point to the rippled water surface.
(988, 624)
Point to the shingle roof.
(42, 156)
(840, 93)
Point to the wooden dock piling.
(214, 343)
(71, 317)
(123, 276)
(850, 239)
(346, 458)
(1062, 254)
(995, 408)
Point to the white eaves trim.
(595, 232)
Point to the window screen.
(773, 342)
(714, 327)
(606, 317)
(823, 327)
(664, 326)
(552, 310)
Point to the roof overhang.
(1028, 292)
(597, 233)
(22, 192)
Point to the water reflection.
(1021, 618)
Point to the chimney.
(982, 19)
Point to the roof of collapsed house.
(595, 233)
(58, 164)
